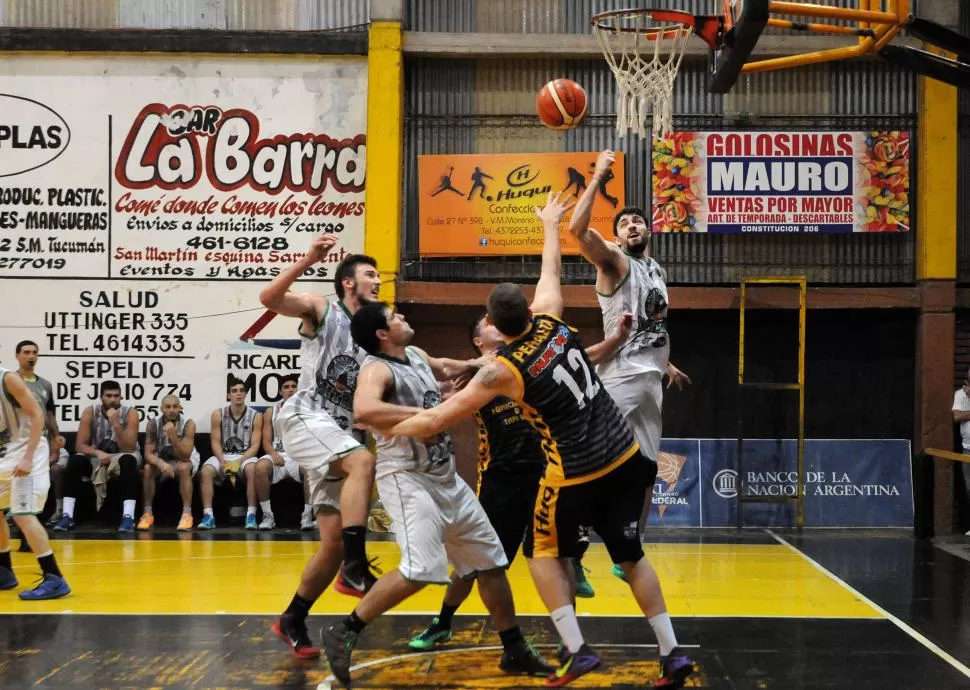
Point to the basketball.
(561, 104)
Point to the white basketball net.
(645, 82)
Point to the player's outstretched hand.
(322, 245)
(676, 377)
(555, 207)
(604, 162)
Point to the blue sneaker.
(618, 572)
(127, 524)
(251, 521)
(207, 522)
(7, 579)
(51, 587)
(674, 670)
(65, 524)
(572, 666)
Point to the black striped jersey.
(507, 443)
(583, 435)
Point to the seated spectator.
(169, 452)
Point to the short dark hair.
(365, 323)
(287, 378)
(629, 211)
(508, 309)
(109, 386)
(24, 343)
(232, 381)
(348, 269)
(476, 331)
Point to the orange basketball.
(561, 104)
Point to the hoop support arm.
(934, 66)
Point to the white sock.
(148, 510)
(208, 511)
(69, 506)
(564, 618)
(307, 509)
(128, 508)
(6, 550)
(187, 510)
(267, 508)
(664, 631)
(251, 510)
(60, 506)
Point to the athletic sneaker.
(674, 670)
(296, 636)
(7, 579)
(54, 519)
(584, 590)
(127, 524)
(251, 521)
(618, 572)
(185, 522)
(307, 522)
(572, 666)
(356, 579)
(268, 523)
(65, 524)
(338, 644)
(207, 522)
(51, 587)
(522, 659)
(147, 521)
(430, 637)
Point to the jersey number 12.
(577, 364)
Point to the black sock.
(299, 608)
(444, 618)
(48, 565)
(353, 623)
(511, 637)
(354, 549)
(5, 560)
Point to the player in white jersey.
(236, 431)
(170, 452)
(24, 483)
(315, 425)
(629, 280)
(275, 465)
(437, 517)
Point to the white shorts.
(26, 495)
(314, 440)
(640, 400)
(288, 469)
(195, 459)
(220, 468)
(324, 490)
(436, 523)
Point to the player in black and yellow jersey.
(595, 475)
(510, 465)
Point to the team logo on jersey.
(340, 381)
(555, 347)
(233, 445)
(652, 321)
(431, 399)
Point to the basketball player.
(275, 465)
(24, 483)
(107, 433)
(629, 280)
(315, 425)
(510, 464)
(235, 431)
(169, 453)
(27, 353)
(595, 474)
(436, 516)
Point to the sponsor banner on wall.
(781, 182)
(848, 483)
(484, 204)
(145, 202)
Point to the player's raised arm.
(277, 295)
(602, 254)
(370, 407)
(548, 297)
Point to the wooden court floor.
(756, 610)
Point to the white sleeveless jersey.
(103, 432)
(414, 386)
(277, 433)
(237, 434)
(163, 444)
(329, 363)
(643, 293)
(14, 425)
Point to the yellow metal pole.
(801, 9)
(385, 143)
(800, 450)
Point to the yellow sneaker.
(185, 523)
(147, 521)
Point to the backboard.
(743, 22)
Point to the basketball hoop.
(644, 49)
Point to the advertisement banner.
(676, 493)
(483, 204)
(781, 182)
(145, 202)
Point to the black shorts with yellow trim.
(610, 505)
(508, 499)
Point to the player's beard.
(363, 296)
(639, 247)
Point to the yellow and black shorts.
(610, 505)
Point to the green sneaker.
(430, 637)
(584, 590)
(618, 572)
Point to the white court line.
(266, 614)
(916, 635)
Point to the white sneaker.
(308, 524)
(268, 522)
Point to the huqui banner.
(483, 204)
(781, 182)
